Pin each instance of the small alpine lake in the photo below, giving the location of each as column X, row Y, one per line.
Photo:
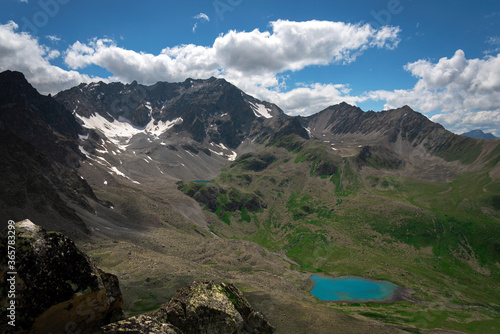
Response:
column 353, row 289
column 202, row 181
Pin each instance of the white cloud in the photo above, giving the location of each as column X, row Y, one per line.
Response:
column 464, row 121
column 295, row 45
column 305, row 99
column 251, row 60
column 22, row 52
column 494, row 41
column 464, row 92
column 291, row 46
column 172, row 64
column 202, row 16
column 53, row 38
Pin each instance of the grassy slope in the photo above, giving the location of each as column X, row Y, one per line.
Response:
column 437, row 239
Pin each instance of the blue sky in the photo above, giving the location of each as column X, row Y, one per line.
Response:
column 440, row 57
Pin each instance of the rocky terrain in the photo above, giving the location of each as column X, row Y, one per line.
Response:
column 173, row 183
column 78, row 296
column 57, row 287
column 202, row 307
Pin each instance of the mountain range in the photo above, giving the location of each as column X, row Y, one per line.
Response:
column 479, row 134
column 175, row 182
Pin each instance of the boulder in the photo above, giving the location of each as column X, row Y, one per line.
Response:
column 57, row 287
column 202, row 307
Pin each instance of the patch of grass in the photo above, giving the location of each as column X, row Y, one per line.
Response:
column 145, row 304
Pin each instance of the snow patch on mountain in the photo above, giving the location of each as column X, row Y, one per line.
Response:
column 161, row 127
column 232, row 156
column 123, row 129
column 115, row 170
column 260, row 110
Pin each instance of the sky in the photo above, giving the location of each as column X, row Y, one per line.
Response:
column 442, row 58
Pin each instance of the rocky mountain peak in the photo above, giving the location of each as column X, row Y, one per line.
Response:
column 478, row 134
column 13, row 86
column 211, row 109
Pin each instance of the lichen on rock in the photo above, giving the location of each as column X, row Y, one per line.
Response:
column 60, row 290
column 57, row 285
column 202, row 307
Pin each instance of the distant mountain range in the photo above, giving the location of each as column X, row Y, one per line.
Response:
column 479, row 134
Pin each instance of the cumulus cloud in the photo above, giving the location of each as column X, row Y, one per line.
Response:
column 291, row 46
column 295, row 45
column 21, row 52
column 464, row 121
column 312, row 98
column 254, row 61
column 464, row 92
column 251, row 60
column 172, row 64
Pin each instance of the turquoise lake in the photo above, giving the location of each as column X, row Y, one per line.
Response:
column 202, row 181
column 352, row 289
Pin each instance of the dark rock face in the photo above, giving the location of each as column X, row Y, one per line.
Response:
column 202, row 307
column 378, row 157
column 35, row 184
column 389, row 127
column 58, row 287
column 254, row 162
column 37, row 119
column 38, row 156
column 325, row 168
column 210, row 109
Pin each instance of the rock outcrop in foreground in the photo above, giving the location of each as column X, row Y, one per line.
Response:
column 57, row 287
column 202, row 307
column 59, row 290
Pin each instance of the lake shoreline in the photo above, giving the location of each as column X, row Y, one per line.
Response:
column 399, row 294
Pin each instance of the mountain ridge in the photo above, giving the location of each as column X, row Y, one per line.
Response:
column 264, row 200
column 478, row 134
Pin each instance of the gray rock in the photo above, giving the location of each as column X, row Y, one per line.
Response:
column 58, row 288
column 202, row 307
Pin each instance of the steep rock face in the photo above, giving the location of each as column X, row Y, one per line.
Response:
column 38, row 156
column 202, row 307
column 37, row 119
column 35, row 185
column 57, row 286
